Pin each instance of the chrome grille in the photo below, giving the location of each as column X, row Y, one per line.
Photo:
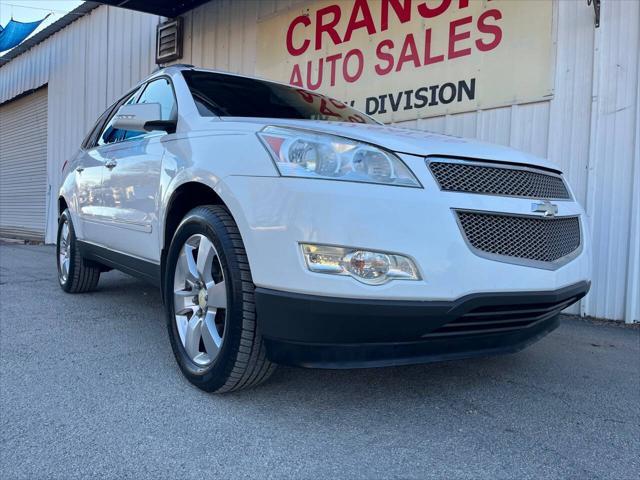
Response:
column 490, row 180
column 522, row 237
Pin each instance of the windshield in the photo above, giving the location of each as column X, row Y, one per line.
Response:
column 220, row 95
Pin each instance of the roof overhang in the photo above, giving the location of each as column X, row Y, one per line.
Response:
column 165, row 8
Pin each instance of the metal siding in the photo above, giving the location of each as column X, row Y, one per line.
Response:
column 611, row 160
column 23, row 166
column 632, row 304
column 570, row 109
column 222, row 34
column 87, row 65
column 589, row 128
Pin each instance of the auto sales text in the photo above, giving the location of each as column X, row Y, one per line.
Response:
column 320, row 31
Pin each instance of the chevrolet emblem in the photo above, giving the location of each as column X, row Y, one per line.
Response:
column 546, row 207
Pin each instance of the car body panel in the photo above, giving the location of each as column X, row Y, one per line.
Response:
column 275, row 214
column 130, row 196
column 404, row 140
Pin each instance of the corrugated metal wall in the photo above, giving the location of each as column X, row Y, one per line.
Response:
column 590, row 127
column 612, row 164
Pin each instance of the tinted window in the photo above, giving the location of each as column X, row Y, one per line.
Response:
column 217, row 94
column 110, row 134
column 160, row 91
column 90, row 139
column 157, row 91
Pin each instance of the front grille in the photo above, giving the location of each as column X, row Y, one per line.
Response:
column 502, row 318
column 473, row 178
column 521, row 237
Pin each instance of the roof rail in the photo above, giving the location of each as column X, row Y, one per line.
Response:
column 179, row 65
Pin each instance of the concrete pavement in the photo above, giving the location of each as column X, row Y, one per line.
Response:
column 89, row 387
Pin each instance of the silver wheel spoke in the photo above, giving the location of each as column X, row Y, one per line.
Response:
column 210, row 336
column 185, row 310
column 191, row 267
column 65, row 233
column 217, row 295
column 185, row 293
column 206, row 253
column 192, row 337
column 183, row 302
column 181, row 322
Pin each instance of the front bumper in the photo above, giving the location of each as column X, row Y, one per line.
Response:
column 276, row 214
column 324, row 332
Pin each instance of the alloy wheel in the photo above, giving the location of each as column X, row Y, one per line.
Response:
column 64, row 251
column 200, row 300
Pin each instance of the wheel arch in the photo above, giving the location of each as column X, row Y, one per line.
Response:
column 62, row 205
column 184, row 198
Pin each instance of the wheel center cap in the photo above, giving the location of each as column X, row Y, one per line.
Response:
column 202, row 299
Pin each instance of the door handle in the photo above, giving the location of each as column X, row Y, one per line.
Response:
column 110, row 164
column 80, row 169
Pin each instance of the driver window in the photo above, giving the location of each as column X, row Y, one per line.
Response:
column 160, row 91
column 110, row 134
column 157, row 91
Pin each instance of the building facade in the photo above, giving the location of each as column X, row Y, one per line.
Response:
column 582, row 111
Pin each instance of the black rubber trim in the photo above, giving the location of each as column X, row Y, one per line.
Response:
column 321, row 331
column 134, row 266
column 365, row 355
column 315, row 319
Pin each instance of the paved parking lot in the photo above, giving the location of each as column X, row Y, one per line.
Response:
column 89, row 387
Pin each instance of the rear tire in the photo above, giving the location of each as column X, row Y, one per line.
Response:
column 75, row 274
column 210, row 308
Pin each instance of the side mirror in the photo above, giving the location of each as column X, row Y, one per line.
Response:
column 142, row 117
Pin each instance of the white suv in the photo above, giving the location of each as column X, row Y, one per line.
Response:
column 286, row 227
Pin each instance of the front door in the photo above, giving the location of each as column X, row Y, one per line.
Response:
column 131, row 180
column 89, row 169
column 130, row 185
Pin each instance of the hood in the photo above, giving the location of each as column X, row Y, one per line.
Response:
column 404, row 140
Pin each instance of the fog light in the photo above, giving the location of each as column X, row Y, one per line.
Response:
column 367, row 266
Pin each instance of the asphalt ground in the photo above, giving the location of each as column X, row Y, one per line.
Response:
column 89, row 388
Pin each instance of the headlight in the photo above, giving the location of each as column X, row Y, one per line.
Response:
column 298, row 153
column 367, row 266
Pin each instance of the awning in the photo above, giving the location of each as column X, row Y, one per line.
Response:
column 15, row 32
column 165, row 8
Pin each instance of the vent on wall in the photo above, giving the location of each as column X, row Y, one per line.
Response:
column 169, row 41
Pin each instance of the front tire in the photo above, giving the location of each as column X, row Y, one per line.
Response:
column 209, row 301
column 75, row 274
